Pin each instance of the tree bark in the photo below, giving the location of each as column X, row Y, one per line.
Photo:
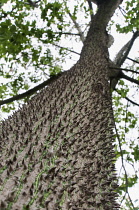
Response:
column 57, row 151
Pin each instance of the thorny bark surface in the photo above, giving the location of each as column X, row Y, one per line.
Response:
column 57, row 151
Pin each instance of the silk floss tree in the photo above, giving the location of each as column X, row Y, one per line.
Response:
column 57, row 150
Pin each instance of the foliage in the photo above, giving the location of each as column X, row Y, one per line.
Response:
column 36, row 39
column 131, row 13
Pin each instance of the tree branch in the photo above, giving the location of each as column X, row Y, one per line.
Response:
column 122, row 160
column 123, row 12
column 121, row 57
column 128, row 70
column 128, row 99
column 91, row 8
column 133, row 60
column 120, row 75
column 123, row 166
column 31, row 91
column 105, row 11
column 77, row 27
column 130, row 79
column 67, row 33
column 72, row 51
column 123, row 53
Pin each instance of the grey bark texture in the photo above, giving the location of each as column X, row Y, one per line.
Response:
column 57, row 151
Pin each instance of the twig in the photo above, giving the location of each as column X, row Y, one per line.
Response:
column 122, row 11
column 67, row 33
column 131, row 101
column 131, row 200
column 72, row 51
column 126, row 118
column 122, row 160
column 132, row 60
column 128, row 99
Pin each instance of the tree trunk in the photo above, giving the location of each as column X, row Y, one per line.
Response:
column 57, row 151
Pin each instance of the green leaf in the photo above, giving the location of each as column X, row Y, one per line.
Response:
column 135, row 153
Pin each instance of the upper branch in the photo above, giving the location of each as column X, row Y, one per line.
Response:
column 77, row 27
column 123, row 53
column 106, row 9
column 97, row 36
